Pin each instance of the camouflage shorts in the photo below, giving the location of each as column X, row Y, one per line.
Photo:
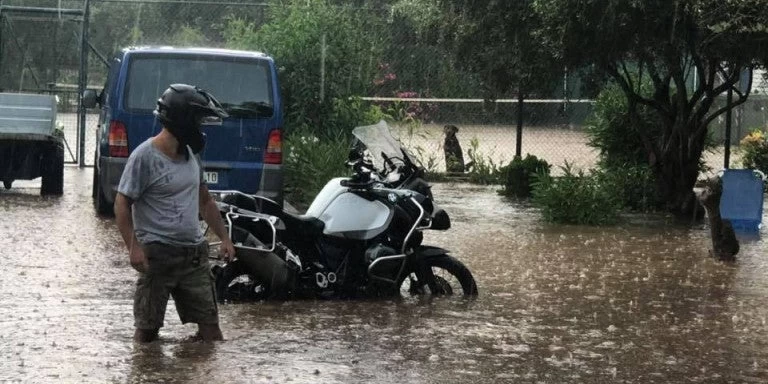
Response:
column 182, row 273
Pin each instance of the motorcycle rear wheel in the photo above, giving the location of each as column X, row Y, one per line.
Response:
column 234, row 284
column 439, row 276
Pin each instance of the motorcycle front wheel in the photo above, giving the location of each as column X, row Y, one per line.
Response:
column 439, row 276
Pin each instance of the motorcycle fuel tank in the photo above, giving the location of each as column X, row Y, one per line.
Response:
column 348, row 215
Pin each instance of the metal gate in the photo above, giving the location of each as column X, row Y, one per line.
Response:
column 44, row 50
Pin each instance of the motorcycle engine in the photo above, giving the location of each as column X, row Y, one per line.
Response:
column 376, row 251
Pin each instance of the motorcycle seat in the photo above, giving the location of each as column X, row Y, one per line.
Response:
column 306, row 225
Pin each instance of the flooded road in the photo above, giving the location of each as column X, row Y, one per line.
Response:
column 637, row 303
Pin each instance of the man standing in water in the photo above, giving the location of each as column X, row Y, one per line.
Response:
column 160, row 195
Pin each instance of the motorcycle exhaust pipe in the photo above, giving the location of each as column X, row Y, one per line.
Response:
column 268, row 268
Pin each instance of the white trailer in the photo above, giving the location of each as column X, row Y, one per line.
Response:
column 30, row 144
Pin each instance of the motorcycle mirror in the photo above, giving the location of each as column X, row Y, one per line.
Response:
column 354, row 156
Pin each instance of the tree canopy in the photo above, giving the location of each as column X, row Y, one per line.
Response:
column 692, row 51
column 500, row 41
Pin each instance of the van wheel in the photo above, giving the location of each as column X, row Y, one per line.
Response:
column 7, row 184
column 53, row 170
column 99, row 201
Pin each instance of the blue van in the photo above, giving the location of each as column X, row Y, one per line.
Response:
column 243, row 153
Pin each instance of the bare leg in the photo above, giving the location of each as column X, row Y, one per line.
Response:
column 209, row 332
column 145, row 335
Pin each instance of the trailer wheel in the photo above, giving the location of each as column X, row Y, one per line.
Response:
column 53, row 170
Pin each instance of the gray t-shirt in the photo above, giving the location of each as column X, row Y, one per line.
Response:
column 166, row 195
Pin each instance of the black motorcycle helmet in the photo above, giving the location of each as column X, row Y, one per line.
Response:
column 182, row 108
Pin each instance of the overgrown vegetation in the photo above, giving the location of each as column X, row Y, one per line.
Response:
column 617, row 135
column 623, row 179
column 634, row 185
column 482, row 168
column 576, row 197
column 620, row 138
column 313, row 157
column 324, row 53
column 754, row 151
column 310, row 163
column 691, row 51
column 518, row 175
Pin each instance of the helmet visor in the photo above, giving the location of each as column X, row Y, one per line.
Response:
column 213, row 112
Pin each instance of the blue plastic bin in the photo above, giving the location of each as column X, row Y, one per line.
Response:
column 742, row 200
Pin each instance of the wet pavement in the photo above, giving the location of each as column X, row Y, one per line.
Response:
column 637, row 303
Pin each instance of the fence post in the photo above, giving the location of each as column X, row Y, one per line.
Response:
column 519, row 141
column 727, row 160
column 82, row 84
column 1, row 37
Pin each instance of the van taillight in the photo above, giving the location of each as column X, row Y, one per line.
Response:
column 274, row 153
column 118, row 139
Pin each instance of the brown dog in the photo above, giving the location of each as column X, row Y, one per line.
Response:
column 454, row 158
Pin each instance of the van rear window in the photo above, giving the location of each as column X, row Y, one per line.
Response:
column 242, row 85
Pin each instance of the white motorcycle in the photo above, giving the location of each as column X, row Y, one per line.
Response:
column 361, row 236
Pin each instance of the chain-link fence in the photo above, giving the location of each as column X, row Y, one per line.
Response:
column 384, row 57
column 487, row 131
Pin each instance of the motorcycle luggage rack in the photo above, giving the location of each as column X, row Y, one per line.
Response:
column 254, row 216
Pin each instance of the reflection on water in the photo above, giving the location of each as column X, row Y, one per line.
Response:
column 636, row 303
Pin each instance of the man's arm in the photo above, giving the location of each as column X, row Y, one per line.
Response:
column 124, row 222
column 210, row 213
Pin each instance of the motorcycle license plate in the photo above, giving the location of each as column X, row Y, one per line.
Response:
column 211, row 177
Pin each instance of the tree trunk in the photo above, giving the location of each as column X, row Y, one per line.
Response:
column 677, row 170
column 676, row 180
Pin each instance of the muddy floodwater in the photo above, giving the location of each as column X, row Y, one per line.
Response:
column 637, row 303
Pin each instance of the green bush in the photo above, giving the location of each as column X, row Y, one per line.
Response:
column 314, row 156
column 624, row 161
column 310, row 162
column 342, row 115
column 517, row 176
column 576, row 198
column 754, row 151
column 615, row 134
column 635, row 185
column 301, row 35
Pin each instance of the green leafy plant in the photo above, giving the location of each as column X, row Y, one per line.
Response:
column 343, row 115
column 310, row 162
column 636, row 186
column 576, row 198
column 324, row 52
column 482, row 169
column 615, row 134
column 518, row 174
column 314, row 156
column 624, row 160
column 754, row 151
